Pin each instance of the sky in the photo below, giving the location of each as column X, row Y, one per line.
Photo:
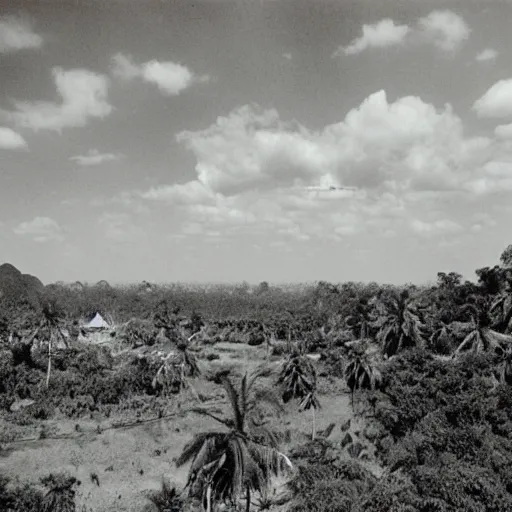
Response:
column 175, row 140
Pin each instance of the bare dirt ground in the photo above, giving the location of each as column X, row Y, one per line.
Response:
column 130, row 461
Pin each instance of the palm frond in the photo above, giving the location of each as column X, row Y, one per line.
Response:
column 308, row 402
column 234, row 399
column 193, row 448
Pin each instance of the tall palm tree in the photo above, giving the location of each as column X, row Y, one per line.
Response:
column 51, row 322
column 298, row 379
column 245, row 456
column 399, row 325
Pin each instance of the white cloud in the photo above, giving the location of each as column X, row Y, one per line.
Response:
column 442, row 226
column 442, row 28
column 446, row 29
column 40, row 229
column 497, row 101
column 379, row 35
column 406, row 159
column 287, row 56
column 487, row 55
column 94, row 157
column 17, row 34
column 405, row 144
column 123, row 67
column 9, row 139
column 84, row 96
column 188, row 193
column 171, row 78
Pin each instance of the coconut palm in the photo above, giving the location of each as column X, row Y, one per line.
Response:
column 481, row 336
column 298, row 379
column 51, row 323
column 361, row 373
column 501, row 310
column 243, row 457
column 399, row 325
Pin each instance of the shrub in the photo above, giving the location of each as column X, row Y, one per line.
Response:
column 137, row 332
column 19, row 498
column 167, row 498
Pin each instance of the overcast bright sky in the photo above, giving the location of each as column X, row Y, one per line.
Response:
column 173, row 140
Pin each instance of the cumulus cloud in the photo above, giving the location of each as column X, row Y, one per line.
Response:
column 379, row 35
column 171, row 78
column 497, row 101
column 486, row 55
column 40, row 229
column 443, row 28
column 392, row 146
column 9, row 139
column 94, row 157
column 406, row 159
column 17, row 34
column 84, row 96
column 446, row 29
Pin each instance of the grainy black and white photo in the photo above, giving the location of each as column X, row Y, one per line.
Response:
column 255, row 255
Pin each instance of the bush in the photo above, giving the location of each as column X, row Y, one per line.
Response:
column 167, row 498
column 137, row 332
column 323, row 486
column 19, row 498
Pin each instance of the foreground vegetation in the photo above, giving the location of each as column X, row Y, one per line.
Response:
column 428, row 371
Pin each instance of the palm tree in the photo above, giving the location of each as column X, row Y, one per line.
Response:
column 243, row 457
column 51, row 322
column 298, row 379
column 361, row 373
column 481, row 336
column 502, row 308
column 399, row 326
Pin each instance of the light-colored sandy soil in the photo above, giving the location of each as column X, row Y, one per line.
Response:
column 126, row 460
